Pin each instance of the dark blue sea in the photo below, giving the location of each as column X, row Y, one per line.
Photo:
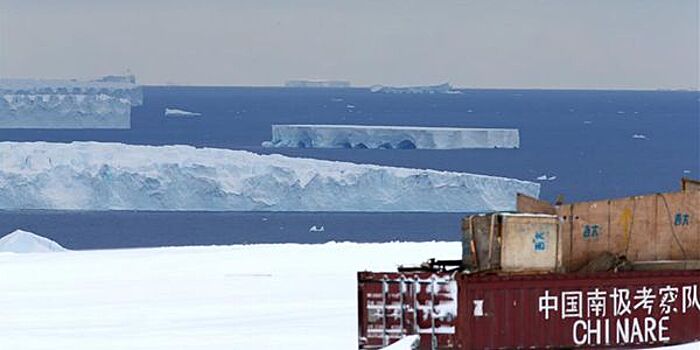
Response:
column 584, row 138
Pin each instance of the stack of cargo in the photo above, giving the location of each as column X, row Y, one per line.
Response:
column 620, row 273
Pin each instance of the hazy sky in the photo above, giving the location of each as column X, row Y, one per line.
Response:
column 521, row 43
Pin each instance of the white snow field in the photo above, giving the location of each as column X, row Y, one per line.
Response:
column 21, row 241
column 49, row 104
column 391, row 137
column 280, row 296
column 174, row 112
column 111, row 176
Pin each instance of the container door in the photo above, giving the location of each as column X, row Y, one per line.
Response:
column 393, row 305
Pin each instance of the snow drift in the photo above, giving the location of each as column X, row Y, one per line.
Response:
column 26, row 242
column 102, row 103
column 392, row 137
column 103, row 176
column 410, row 342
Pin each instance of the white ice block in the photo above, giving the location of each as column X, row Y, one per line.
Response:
column 393, row 137
column 52, row 104
column 104, row 176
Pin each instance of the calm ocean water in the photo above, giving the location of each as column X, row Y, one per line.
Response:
column 584, row 138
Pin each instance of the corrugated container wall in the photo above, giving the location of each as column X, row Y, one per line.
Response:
column 630, row 310
column 618, row 310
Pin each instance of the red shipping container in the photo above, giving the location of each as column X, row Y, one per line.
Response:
column 618, row 310
column 392, row 305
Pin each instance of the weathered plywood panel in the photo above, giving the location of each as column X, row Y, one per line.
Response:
column 622, row 213
column 527, row 204
column 589, row 232
column 483, row 231
column 690, row 185
column 529, row 243
column 643, row 228
column 643, row 239
column 677, row 225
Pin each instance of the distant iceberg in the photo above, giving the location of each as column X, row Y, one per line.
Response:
column 315, row 228
column 639, row 136
column 546, row 178
column 445, row 88
column 26, row 242
column 69, row 104
column 114, row 176
column 174, row 112
column 390, row 137
column 317, row 84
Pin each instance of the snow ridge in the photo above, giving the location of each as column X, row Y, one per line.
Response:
column 26, row 242
column 114, row 176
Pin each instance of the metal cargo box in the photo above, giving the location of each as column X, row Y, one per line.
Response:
column 615, row 310
column 392, row 305
column 511, row 242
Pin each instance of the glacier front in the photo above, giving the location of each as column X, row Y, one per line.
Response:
column 114, row 176
column 391, row 137
column 68, row 104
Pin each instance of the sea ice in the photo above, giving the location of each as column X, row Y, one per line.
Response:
column 174, row 112
column 262, row 297
column 315, row 228
column 106, row 176
column 391, row 137
column 544, row 177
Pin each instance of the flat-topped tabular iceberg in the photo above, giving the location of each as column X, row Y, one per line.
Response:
column 51, row 104
column 317, row 83
column 445, row 88
column 391, row 137
column 104, row 176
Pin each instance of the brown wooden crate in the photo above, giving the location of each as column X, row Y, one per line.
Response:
column 527, row 204
column 642, row 228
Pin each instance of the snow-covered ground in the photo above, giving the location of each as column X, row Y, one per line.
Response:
column 279, row 296
column 392, row 137
column 103, row 176
column 273, row 296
